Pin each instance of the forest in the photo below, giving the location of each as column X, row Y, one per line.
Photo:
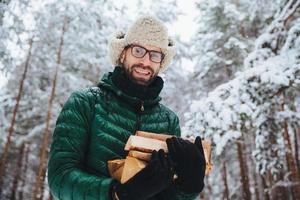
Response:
column 235, row 80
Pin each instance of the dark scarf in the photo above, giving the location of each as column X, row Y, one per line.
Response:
column 130, row 88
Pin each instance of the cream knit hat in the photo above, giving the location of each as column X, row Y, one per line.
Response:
column 147, row 30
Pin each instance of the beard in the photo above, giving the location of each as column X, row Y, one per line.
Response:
column 129, row 72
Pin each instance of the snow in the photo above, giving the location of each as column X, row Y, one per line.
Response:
column 235, row 78
column 224, row 106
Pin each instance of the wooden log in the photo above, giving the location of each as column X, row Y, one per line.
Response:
column 157, row 136
column 147, row 145
column 163, row 137
column 144, row 144
column 131, row 167
column 140, row 147
column 140, row 155
column 115, row 168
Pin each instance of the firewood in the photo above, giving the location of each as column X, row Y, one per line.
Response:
column 145, row 144
column 140, row 155
column 131, row 167
column 140, row 148
column 162, row 137
column 115, row 168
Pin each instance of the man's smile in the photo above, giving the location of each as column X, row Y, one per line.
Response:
column 142, row 71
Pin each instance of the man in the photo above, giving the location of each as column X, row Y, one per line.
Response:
column 95, row 124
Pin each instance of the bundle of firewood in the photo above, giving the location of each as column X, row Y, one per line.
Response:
column 140, row 147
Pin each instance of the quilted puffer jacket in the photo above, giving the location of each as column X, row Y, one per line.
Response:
column 93, row 128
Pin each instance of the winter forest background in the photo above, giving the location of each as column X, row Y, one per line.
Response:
column 235, row 80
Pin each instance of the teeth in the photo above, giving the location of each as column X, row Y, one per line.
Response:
column 142, row 71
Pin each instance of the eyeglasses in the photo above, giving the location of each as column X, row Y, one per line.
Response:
column 139, row 52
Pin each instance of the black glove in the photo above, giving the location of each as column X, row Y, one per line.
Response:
column 189, row 163
column 153, row 179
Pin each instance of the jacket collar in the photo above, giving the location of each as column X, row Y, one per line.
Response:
column 118, row 83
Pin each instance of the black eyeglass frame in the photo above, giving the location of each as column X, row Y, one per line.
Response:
column 146, row 51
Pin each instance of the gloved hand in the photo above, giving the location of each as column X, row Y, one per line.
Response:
column 189, row 163
column 154, row 178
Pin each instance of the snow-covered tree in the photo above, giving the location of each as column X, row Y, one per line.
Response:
column 244, row 93
column 66, row 42
column 226, row 30
column 255, row 105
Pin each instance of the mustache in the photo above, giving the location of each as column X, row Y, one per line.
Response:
column 144, row 67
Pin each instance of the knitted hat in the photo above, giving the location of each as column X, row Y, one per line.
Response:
column 147, row 30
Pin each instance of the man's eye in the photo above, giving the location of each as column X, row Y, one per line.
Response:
column 138, row 50
column 154, row 55
column 157, row 56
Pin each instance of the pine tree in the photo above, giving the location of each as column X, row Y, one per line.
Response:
column 250, row 103
column 83, row 61
column 226, row 30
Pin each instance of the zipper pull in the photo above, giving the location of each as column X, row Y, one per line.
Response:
column 142, row 106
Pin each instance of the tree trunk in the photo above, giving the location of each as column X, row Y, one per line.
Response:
column 244, row 172
column 225, row 182
column 4, row 155
column 40, row 178
column 17, row 176
column 24, row 170
column 265, row 188
column 208, row 188
column 256, row 183
column 297, row 130
column 277, row 192
column 289, row 157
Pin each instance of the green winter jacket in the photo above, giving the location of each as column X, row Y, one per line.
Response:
column 93, row 128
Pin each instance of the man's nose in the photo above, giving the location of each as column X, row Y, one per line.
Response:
column 146, row 59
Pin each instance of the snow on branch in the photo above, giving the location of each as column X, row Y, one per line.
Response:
column 269, row 43
column 238, row 105
column 243, row 103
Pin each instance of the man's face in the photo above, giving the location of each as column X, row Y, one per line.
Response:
column 141, row 70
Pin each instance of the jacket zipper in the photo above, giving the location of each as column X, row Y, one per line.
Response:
column 138, row 121
column 142, row 106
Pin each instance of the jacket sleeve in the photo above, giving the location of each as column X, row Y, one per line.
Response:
column 174, row 192
column 67, row 177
